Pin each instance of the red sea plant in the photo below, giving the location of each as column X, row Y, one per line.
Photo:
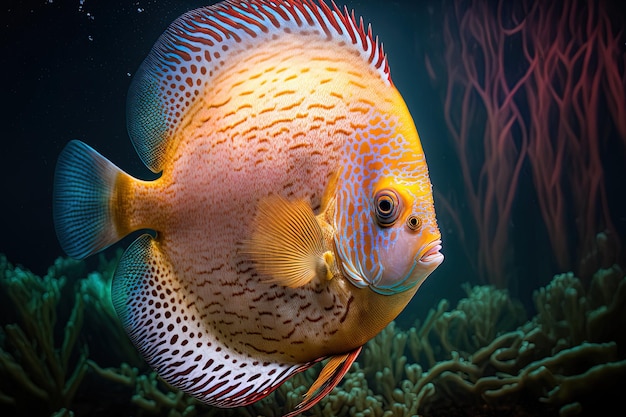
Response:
column 540, row 85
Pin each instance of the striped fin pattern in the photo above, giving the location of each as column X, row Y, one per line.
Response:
column 164, row 322
column 84, row 181
column 198, row 44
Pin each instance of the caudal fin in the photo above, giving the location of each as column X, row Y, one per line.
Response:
column 84, row 182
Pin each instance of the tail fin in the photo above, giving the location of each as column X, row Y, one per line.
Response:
column 84, row 182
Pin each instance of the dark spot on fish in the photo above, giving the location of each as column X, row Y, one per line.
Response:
column 315, row 320
column 270, row 339
column 208, row 364
column 187, row 371
column 343, row 318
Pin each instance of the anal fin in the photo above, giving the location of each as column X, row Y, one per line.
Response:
column 329, row 377
column 164, row 319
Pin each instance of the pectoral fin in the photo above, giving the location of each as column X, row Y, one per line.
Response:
column 331, row 375
column 287, row 244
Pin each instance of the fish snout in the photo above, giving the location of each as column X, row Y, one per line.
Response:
column 403, row 270
column 430, row 256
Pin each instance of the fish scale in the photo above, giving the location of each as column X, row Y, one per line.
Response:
column 293, row 214
column 305, row 181
column 174, row 336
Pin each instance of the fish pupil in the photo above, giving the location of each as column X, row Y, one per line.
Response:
column 384, row 206
column 387, row 208
column 414, row 223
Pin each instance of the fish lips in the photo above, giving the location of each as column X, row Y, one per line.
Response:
column 431, row 256
column 395, row 279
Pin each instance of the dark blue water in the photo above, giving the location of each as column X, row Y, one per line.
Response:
column 67, row 66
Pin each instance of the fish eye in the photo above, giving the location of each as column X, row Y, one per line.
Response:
column 414, row 222
column 386, row 207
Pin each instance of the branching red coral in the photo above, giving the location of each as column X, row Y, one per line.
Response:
column 539, row 84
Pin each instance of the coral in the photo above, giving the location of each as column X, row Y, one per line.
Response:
column 471, row 356
column 36, row 370
column 569, row 356
column 149, row 397
column 569, row 315
column 95, row 290
column 46, row 335
column 477, row 319
column 568, row 359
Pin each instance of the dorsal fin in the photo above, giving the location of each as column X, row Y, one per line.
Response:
column 196, row 45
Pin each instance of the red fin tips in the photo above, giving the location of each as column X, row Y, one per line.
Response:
column 331, row 375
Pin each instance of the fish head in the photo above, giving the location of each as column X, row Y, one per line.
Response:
column 387, row 236
column 406, row 241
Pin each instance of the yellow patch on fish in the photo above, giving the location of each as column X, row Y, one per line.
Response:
column 294, row 215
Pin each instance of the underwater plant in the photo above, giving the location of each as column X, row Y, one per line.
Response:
column 40, row 370
column 537, row 86
column 44, row 346
column 482, row 357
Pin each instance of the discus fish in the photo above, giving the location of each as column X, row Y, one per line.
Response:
column 293, row 218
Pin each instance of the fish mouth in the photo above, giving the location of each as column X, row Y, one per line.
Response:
column 432, row 253
column 404, row 277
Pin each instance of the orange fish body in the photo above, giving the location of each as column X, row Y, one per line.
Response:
column 293, row 215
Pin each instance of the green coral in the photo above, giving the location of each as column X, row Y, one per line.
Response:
column 38, row 368
column 569, row 355
column 44, row 347
column 568, row 358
